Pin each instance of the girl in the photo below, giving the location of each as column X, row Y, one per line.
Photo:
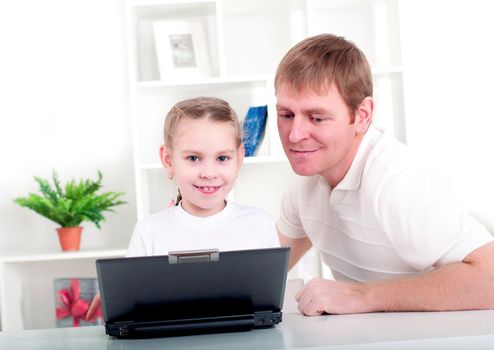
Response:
column 203, row 153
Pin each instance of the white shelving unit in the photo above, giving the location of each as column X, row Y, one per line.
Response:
column 245, row 40
column 154, row 94
column 27, row 297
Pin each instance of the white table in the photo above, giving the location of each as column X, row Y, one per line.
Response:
column 414, row 330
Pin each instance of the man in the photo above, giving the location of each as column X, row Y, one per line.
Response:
column 391, row 231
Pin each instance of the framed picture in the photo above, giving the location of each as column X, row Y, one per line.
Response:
column 182, row 50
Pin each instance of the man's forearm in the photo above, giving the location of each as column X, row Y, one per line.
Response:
column 460, row 286
column 298, row 246
column 468, row 285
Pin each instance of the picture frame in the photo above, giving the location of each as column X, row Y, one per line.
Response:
column 181, row 50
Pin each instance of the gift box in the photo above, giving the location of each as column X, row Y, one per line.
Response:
column 72, row 299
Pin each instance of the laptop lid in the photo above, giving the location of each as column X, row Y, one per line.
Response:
column 187, row 288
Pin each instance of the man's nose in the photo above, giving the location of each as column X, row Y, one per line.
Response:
column 299, row 129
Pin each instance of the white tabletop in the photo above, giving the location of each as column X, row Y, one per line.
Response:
column 414, row 330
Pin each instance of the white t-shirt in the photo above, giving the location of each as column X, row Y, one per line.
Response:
column 236, row 227
column 388, row 217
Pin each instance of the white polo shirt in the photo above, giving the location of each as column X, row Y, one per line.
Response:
column 388, row 217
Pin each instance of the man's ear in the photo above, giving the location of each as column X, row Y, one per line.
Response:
column 166, row 159
column 364, row 114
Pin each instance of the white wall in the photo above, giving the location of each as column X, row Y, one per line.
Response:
column 448, row 53
column 64, row 105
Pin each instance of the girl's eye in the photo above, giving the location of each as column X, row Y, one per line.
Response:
column 223, row 158
column 193, row 158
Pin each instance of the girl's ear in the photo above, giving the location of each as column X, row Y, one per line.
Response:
column 166, row 159
column 364, row 114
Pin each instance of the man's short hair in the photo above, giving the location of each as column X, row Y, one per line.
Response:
column 317, row 62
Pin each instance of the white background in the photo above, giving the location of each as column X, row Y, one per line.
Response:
column 448, row 54
column 64, row 105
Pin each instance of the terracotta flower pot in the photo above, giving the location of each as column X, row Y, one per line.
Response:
column 70, row 237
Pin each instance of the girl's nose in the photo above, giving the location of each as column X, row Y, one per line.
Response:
column 208, row 171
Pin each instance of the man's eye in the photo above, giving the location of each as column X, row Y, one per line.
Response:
column 193, row 158
column 223, row 158
column 285, row 115
column 317, row 118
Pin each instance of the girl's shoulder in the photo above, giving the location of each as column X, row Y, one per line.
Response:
column 157, row 218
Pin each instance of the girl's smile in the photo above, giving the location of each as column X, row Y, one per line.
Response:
column 208, row 189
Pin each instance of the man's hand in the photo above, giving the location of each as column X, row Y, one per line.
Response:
column 321, row 296
column 95, row 304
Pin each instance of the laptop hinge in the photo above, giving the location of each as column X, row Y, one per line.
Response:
column 193, row 256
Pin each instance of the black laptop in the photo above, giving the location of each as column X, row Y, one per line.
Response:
column 190, row 292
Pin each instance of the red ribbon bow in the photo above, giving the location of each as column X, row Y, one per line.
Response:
column 72, row 306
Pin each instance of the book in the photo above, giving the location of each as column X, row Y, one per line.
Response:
column 253, row 128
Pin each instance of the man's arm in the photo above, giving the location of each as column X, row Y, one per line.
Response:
column 298, row 247
column 467, row 285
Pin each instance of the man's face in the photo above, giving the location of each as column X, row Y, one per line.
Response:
column 316, row 132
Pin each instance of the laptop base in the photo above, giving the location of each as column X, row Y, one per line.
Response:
column 208, row 325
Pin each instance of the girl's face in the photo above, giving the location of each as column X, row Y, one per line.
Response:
column 204, row 162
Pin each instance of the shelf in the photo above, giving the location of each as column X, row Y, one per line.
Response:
column 385, row 70
column 159, row 9
column 34, row 257
column 204, row 82
column 26, row 290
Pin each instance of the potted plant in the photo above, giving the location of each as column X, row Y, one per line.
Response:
column 70, row 206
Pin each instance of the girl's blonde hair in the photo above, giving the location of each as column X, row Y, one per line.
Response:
column 213, row 108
